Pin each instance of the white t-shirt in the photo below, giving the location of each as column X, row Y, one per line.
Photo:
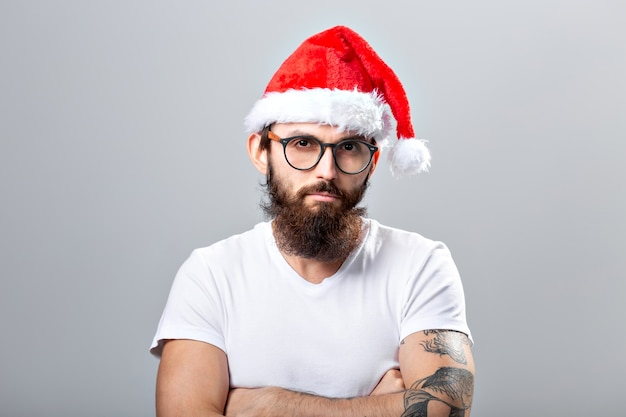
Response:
column 336, row 338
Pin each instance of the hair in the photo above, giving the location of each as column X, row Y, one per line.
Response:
column 265, row 140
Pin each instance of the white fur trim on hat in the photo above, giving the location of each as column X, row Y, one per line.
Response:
column 365, row 114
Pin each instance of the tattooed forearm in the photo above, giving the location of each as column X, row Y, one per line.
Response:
column 447, row 342
column 455, row 383
column 416, row 403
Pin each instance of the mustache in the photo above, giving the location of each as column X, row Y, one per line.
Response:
column 321, row 187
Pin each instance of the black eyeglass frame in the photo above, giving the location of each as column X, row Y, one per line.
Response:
column 285, row 141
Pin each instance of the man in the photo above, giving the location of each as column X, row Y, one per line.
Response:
column 320, row 311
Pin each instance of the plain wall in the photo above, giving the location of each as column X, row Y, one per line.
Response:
column 122, row 148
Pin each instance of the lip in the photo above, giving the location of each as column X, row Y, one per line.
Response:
column 327, row 197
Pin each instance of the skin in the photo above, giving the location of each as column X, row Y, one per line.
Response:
column 436, row 372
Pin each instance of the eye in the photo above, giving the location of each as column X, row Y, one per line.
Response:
column 301, row 143
column 351, row 147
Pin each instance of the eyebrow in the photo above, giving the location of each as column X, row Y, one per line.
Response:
column 297, row 132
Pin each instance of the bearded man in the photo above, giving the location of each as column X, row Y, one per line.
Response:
column 320, row 311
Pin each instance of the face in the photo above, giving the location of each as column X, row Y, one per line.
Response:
column 325, row 172
column 314, row 211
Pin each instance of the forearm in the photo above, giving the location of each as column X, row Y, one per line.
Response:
column 278, row 402
column 388, row 405
column 413, row 402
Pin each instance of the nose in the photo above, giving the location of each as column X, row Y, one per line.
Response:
column 326, row 168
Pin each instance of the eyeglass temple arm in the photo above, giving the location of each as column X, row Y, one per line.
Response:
column 273, row 136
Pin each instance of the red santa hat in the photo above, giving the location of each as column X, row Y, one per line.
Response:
column 336, row 78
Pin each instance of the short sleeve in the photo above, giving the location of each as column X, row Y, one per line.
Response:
column 194, row 309
column 434, row 296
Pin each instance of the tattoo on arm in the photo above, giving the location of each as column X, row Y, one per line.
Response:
column 455, row 383
column 447, row 342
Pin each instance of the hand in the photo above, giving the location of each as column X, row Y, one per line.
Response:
column 390, row 383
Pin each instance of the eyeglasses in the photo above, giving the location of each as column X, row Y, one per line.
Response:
column 351, row 156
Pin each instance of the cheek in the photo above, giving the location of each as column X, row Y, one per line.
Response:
column 283, row 174
column 277, row 160
column 353, row 182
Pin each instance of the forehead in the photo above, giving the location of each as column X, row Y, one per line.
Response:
column 320, row 131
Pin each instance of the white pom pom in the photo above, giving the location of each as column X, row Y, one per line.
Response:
column 408, row 157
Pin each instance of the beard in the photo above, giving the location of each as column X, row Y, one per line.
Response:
column 325, row 231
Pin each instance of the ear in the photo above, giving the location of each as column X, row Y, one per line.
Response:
column 374, row 162
column 257, row 155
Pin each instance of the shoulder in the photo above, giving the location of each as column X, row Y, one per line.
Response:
column 235, row 244
column 408, row 254
column 227, row 252
column 400, row 241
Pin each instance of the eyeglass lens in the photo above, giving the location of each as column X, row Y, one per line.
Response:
column 351, row 156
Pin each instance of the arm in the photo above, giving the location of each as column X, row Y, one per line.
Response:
column 441, row 367
column 192, row 380
column 437, row 366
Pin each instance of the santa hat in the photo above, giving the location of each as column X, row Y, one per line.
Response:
column 336, row 78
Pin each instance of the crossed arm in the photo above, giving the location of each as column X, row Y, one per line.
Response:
column 436, row 379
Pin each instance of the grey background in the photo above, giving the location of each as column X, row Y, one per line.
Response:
column 122, row 149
